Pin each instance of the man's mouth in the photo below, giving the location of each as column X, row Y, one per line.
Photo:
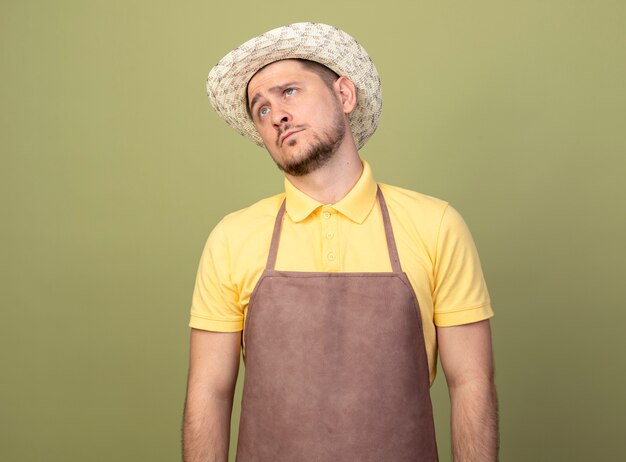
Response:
column 288, row 133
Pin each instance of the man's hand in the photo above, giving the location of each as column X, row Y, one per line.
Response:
column 213, row 368
column 466, row 357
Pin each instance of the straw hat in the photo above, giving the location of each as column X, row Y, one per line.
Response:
column 228, row 80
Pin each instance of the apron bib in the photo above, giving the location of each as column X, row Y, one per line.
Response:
column 336, row 367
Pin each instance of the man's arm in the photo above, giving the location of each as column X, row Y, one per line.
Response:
column 213, row 368
column 466, row 357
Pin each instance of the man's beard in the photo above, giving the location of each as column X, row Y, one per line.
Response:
column 320, row 151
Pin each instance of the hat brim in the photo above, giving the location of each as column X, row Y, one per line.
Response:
column 327, row 45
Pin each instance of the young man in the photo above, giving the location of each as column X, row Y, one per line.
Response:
column 345, row 290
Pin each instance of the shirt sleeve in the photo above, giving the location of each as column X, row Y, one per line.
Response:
column 460, row 295
column 215, row 304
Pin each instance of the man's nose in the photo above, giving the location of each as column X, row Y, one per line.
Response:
column 280, row 116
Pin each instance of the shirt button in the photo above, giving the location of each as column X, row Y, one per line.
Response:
column 331, row 256
column 330, row 235
column 326, row 215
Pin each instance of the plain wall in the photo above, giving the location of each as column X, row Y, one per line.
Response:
column 114, row 169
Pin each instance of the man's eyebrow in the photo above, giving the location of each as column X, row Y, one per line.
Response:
column 274, row 89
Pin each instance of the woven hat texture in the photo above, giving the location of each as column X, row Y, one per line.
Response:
column 332, row 47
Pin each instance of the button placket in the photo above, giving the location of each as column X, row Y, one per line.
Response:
column 329, row 240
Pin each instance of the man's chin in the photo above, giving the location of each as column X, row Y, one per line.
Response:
column 308, row 162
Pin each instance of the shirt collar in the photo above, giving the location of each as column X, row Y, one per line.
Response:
column 356, row 205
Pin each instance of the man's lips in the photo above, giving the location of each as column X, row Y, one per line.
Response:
column 288, row 134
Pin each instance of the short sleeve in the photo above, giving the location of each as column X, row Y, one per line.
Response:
column 460, row 295
column 215, row 304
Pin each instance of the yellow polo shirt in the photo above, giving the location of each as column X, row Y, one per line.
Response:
column 435, row 249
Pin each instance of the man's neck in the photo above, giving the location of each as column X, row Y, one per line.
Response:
column 330, row 183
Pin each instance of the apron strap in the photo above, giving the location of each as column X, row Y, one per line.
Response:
column 271, row 258
column 391, row 242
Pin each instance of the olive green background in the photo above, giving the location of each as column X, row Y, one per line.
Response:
column 114, row 170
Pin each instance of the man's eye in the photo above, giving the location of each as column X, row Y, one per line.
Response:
column 264, row 111
column 290, row 91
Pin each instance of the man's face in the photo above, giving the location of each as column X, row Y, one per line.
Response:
column 299, row 118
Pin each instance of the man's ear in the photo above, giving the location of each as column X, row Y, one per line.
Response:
column 346, row 90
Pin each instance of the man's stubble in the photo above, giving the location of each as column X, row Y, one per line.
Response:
column 320, row 151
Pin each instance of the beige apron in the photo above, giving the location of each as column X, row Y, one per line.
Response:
column 336, row 368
